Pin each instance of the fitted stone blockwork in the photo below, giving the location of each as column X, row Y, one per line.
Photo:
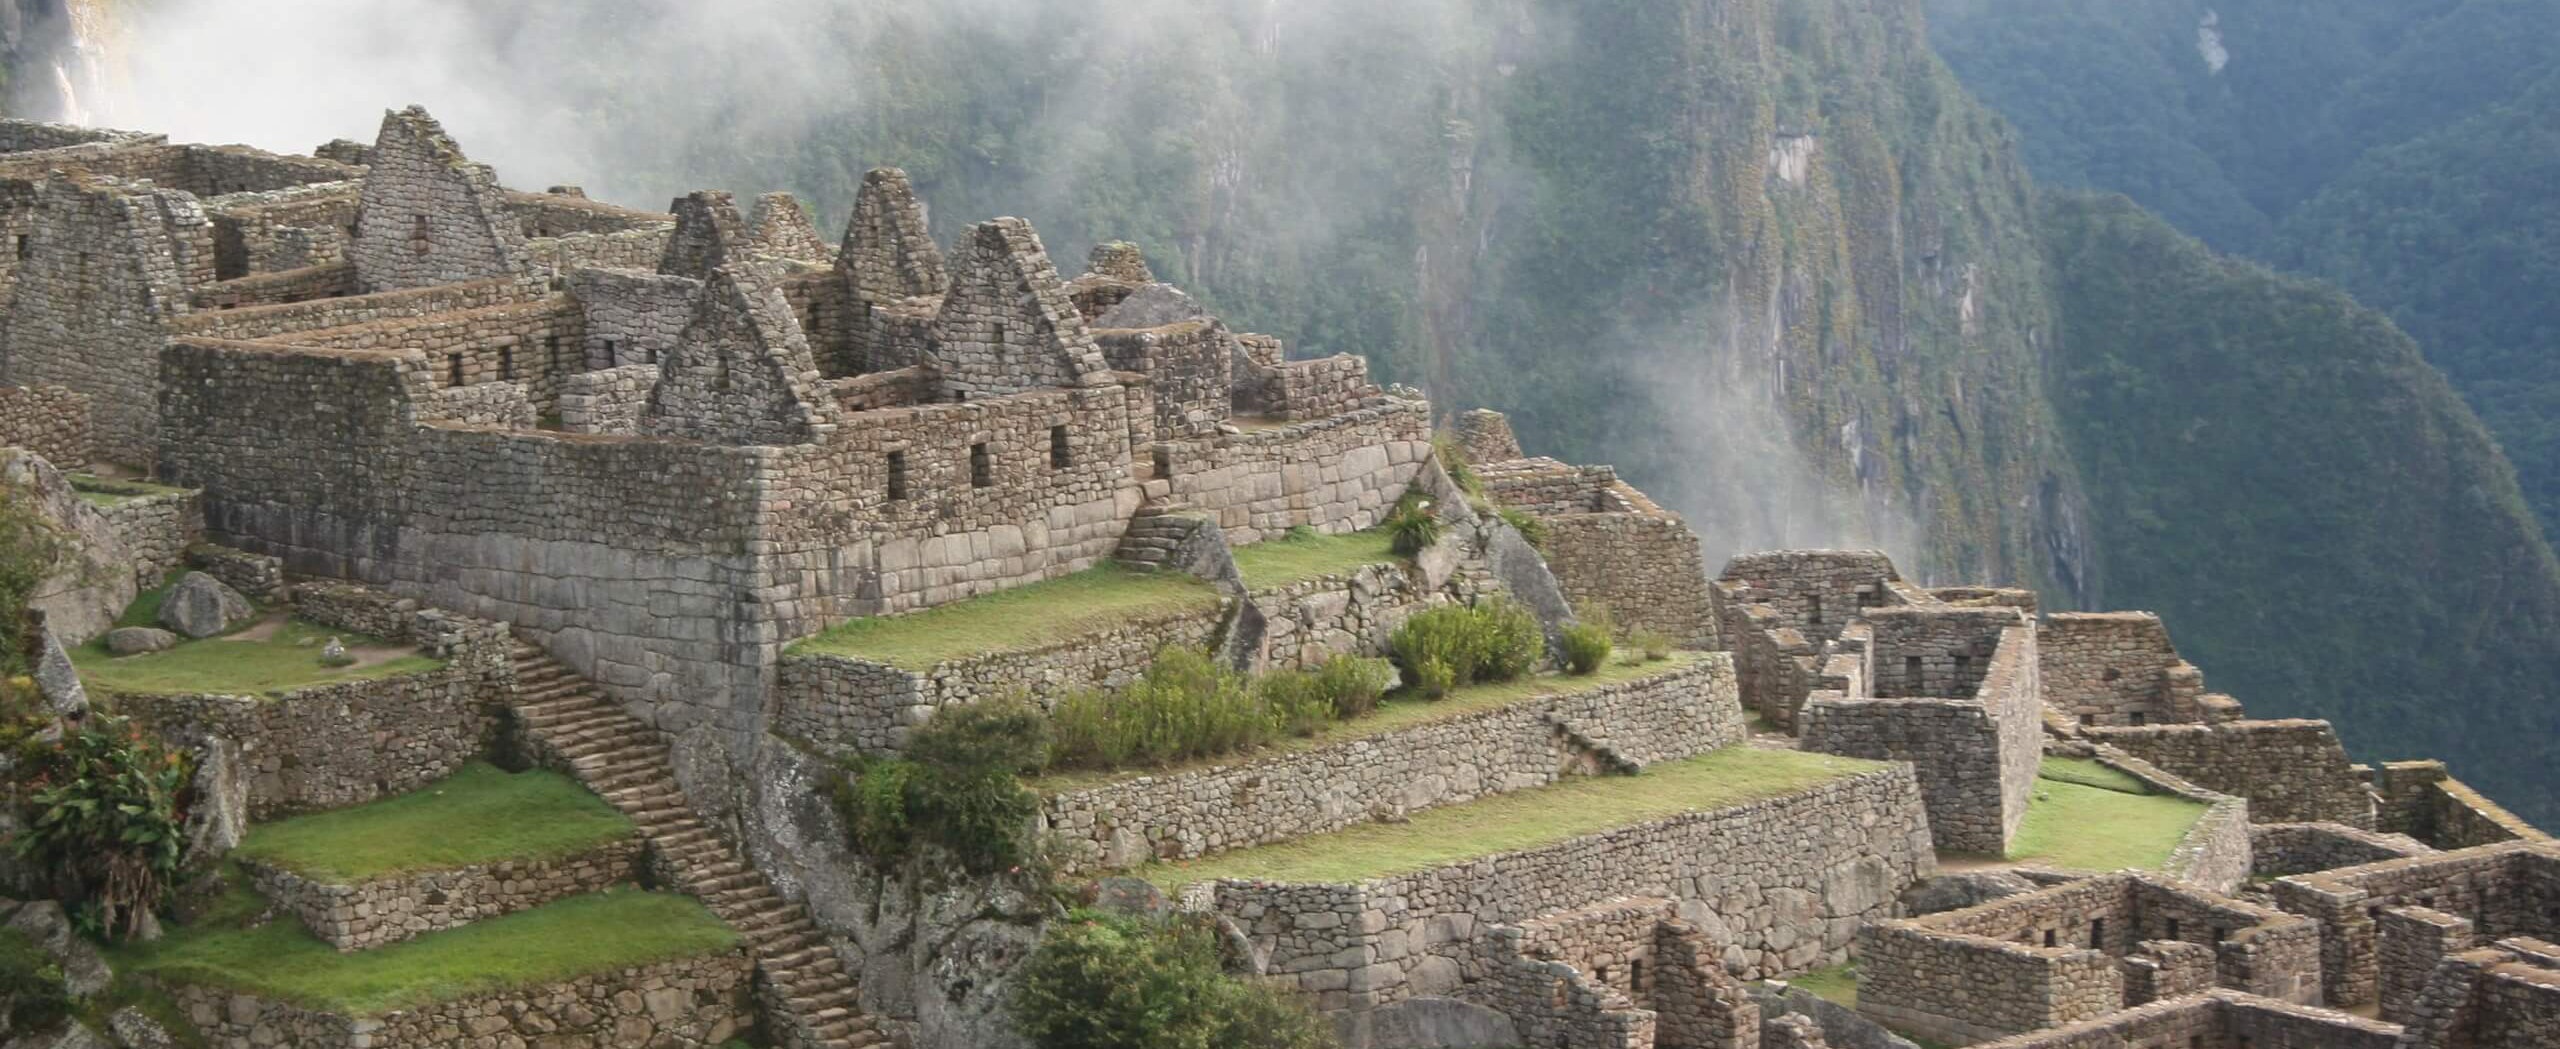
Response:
column 51, row 421
column 691, row 1003
column 359, row 915
column 429, row 215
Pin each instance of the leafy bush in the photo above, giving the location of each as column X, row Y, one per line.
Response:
column 1412, row 528
column 1525, row 523
column 1493, row 640
column 959, row 787
column 1103, row 981
column 1655, row 644
column 107, row 807
column 1586, row 647
column 1185, row 706
column 1295, row 700
column 1353, row 685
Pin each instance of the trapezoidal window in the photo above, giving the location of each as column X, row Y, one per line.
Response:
column 1964, row 665
column 1816, row 616
column 26, row 247
column 897, row 476
column 453, row 369
column 1060, row 457
column 419, row 239
column 1911, row 672
column 982, row 467
column 506, row 363
column 998, row 343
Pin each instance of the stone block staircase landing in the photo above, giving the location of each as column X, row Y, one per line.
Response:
column 811, row 1000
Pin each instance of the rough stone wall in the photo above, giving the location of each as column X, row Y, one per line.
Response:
column 1936, row 652
column 1187, row 365
column 504, row 405
column 1574, row 980
column 688, row 1003
column 156, row 529
column 1977, row 757
column 2219, row 1019
column 2160, row 969
column 2279, row 849
column 608, row 401
column 2214, row 854
column 888, row 265
column 1816, row 592
column 107, row 267
column 1007, row 325
column 1645, row 568
column 1547, row 486
column 1337, row 474
column 252, row 323
column 260, row 578
column 284, row 229
column 1313, row 389
column 898, row 388
column 319, row 281
column 51, row 421
column 2504, row 890
column 1683, row 712
column 430, row 215
column 1308, row 622
column 2423, row 800
column 741, row 373
column 381, row 911
column 541, row 215
column 2291, row 771
column 632, row 318
column 1485, row 436
column 780, row 228
column 2409, row 942
column 2519, row 1008
column 531, row 344
column 709, row 234
column 1966, row 989
column 631, row 249
column 2116, row 668
column 1788, row 879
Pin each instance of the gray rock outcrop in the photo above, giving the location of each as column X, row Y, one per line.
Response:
column 91, row 587
column 1955, row 892
column 84, row 973
column 136, row 640
column 202, row 606
column 57, row 680
column 1151, row 306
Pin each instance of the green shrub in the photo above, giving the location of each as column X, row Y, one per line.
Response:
column 1493, row 640
column 31, row 985
column 1655, row 644
column 106, row 807
column 1525, row 523
column 1353, row 685
column 1412, row 528
column 1586, row 647
column 1296, row 701
column 958, row 786
column 1103, row 981
column 1185, row 706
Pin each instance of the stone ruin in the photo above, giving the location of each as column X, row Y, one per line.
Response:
column 610, row 464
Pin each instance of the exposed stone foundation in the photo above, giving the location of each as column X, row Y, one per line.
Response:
column 694, row 1003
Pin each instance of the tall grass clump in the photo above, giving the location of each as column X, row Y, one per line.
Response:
column 1458, row 645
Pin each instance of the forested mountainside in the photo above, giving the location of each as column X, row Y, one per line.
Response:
column 2405, row 150
column 2325, row 527
column 1767, row 255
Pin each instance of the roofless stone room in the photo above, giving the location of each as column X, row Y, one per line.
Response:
column 1467, row 526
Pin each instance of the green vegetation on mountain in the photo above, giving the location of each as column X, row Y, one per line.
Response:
column 2324, row 525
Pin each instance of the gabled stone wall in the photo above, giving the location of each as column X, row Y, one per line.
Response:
column 430, row 215
column 1977, row 756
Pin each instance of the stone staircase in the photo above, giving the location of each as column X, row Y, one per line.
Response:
column 810, row 998
column 1157, row 535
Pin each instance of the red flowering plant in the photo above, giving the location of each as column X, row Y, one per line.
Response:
column 105, row 818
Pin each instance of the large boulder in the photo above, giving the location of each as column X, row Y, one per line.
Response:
column 91, row 587
column 57, row 680
column 136, row 640
column 1957, row 891
column 1151, row 306
column 84, row 973
column 202, row 606
column 221, row 812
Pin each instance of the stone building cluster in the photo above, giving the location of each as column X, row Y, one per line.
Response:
column 615, row 472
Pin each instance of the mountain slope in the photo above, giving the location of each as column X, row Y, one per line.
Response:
column 2327, row 529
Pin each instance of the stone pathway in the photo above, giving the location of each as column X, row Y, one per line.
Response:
column 810, row 996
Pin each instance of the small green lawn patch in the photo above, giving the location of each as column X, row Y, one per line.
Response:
column 545, row 945
column 480, row 814
column 2089, row 773
column 2079, row 827
column 1837, row 984
column 1021, row 619
column 1302, row 556
column 1397, row 712
column 285, row 660
column 109, row 491
column 1522, row 819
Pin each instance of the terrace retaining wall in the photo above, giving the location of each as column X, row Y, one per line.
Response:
column 689, row 1003
column 378, row 911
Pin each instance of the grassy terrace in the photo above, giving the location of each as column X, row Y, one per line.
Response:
column 1523, row 819
column 109, row 491
column 1396, row 713
column 478, row 815
column 2087, row 816
column 1302, row 556
column 250, row 662
column 1017, row 620
column 544, row 945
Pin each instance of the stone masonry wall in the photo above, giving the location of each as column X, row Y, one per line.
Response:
column 2489, row 885
column 2116, row 668
column 1679, row 713
column 430, row 215
column 51, row 421
column 250, row 323
column 2291, row 771
column 156, row 529
column 1186, row 363
column 532, row 344
column 278, row 287
column 2279, row 849
column 1789, row 879
column 1977, row 757
column 608, row 401
column 1338, row 474
column 1645, row 568
column 376, row 912
column 1007, row 325
column 2217, row 1019
column 1315, row 389
column 688, row 1003
column 2410, row 942
column 631, row 318
column 2423, row 800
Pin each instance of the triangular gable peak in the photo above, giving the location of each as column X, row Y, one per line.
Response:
column 708, row 234
column 742, row 372
column 428, row 215
column 1007, row 325
column 888, row 252
column 780, row 228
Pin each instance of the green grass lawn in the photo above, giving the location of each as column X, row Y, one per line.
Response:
column 286, row 660
column 544, row 945
column 1395, row 713
column 1301, row 556
column 480, row 814
column 1837, row 984
column 108, row 491
column 1522, row 819
column 2077, row 826
column 1020, row 619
